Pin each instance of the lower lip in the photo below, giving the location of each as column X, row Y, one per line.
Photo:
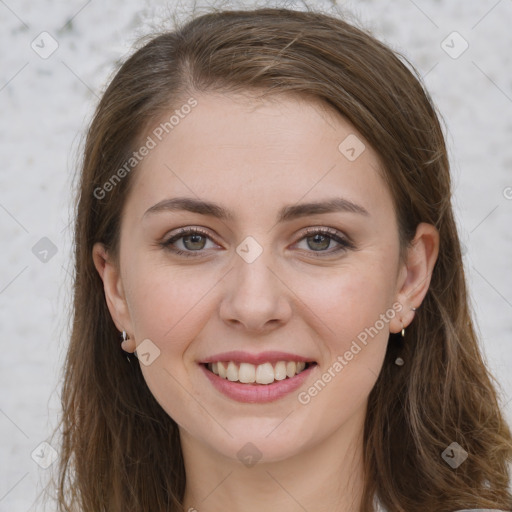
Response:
column 257, row 393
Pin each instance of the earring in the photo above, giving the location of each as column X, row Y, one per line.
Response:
column 399, row 361
column 124, row 337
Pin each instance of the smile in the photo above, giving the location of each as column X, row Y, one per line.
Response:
column 257, row 378
column 266, row 373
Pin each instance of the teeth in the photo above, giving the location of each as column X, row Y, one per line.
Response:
column 246, row 373
column 261, row 374
column 232, row 373
column 264, row 373
column 280, row 371
column 221, row 370
column 291, row 368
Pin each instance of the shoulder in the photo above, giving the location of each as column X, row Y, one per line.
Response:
column 379, row 508
column 382, row 509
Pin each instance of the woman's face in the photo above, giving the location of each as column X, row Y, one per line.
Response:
column 297, row 260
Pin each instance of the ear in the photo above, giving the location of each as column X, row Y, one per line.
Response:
column 114, row 293
column 415, row 274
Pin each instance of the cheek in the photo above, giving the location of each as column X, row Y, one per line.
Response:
column 350, row 313
column 170, row 308
column 167, row 305
column 350, row 301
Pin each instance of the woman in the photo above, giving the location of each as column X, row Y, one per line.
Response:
column 264, row 214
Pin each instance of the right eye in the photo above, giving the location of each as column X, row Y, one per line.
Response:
column 193, row 240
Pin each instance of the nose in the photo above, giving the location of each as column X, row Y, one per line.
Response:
column 255, row 298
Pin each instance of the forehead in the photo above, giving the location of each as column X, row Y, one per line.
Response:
column 259, row 152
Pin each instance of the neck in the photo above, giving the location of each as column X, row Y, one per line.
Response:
column 324, row 476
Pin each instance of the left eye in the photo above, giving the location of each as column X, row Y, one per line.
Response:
column 320, row 239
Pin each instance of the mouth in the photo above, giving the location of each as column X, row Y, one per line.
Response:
column 258, row 374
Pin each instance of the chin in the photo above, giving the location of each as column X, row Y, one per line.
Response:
column 258, row 441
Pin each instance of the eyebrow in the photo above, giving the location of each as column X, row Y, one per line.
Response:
column 287, row 213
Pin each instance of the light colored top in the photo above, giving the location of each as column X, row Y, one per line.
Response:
column 380, row 508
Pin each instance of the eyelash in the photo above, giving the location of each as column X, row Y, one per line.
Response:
column 344, row 243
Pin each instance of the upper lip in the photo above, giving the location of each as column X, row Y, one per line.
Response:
column 238, row 356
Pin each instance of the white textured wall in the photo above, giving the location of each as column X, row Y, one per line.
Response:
column 45, row 104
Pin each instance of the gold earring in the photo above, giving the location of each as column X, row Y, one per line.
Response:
column 399, row 361
column 124, row 338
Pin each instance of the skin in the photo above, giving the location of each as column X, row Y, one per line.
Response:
column 253, row 157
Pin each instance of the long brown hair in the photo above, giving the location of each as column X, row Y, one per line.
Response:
column 120, row 451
